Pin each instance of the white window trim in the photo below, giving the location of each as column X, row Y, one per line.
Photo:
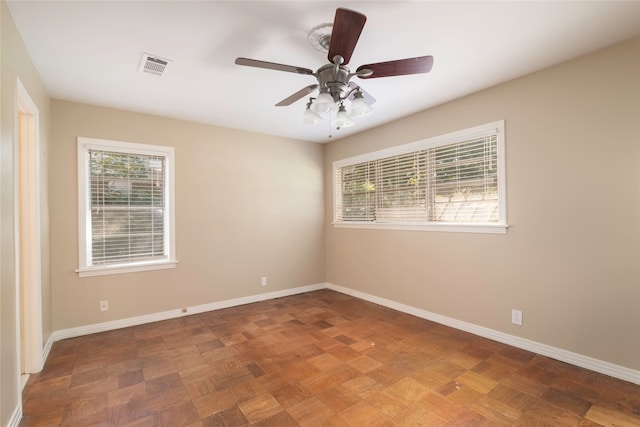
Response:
column 499, row 228
column 84, row 231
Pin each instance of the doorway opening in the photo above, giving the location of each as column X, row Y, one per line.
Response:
column 28, row 247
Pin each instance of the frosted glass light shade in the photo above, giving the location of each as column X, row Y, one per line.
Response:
column 359, row 106
column 324, row 103
column 310, row 118
column 342, row 119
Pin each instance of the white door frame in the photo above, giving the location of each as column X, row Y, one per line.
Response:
column 27, row 228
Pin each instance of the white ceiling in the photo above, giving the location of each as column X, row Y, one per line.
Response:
column 90, row 51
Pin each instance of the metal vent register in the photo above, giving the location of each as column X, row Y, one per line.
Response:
column 152, row 64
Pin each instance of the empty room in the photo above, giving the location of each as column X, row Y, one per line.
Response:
column 314, row 213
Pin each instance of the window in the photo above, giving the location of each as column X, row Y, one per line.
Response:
column 453, row 182
column 125, row 205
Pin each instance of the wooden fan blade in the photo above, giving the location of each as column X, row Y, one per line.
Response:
column 367, row 96
column 347, row 27
column 273, row 66
column 299, row 94
column 421, row 64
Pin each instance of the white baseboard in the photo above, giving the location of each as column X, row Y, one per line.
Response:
column 46, row 350
column 576, row 359
column 16, row 417
column 24, row 379
column 172, row 314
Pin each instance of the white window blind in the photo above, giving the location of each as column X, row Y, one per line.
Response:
column 454, row 179
column 125, row 207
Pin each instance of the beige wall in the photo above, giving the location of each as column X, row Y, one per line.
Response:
column 16, row 64
column 247, row 205
column 571, row 257
column 570, row 261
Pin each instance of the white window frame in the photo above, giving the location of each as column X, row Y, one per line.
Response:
column 84, row 207
column 499, row 227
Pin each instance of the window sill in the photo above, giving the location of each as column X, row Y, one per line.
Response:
column 125, row 268
column 450, row 228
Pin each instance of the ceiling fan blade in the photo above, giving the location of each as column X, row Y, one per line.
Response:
column 299, row 94
column 347, row 26
column 421, row 64
column 273, row 66
column 367, row 96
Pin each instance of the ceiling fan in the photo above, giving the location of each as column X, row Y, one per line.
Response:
column 333, row 79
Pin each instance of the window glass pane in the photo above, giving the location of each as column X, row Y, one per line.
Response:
column 465, row 185
column 127, row 207
column 401, row 195
column 358, row 192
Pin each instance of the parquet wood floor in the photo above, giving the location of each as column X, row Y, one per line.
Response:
column 316, row 359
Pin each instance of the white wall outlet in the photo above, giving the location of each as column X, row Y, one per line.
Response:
column 104, row 305
column 263, row 281
column 516, row 317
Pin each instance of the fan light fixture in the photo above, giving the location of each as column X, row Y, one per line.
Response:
column 326, row 104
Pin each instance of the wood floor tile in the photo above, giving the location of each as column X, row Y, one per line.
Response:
column 417, row 415
column 338, row 399
column 178, row 415
column 608, row 417
column 232, row 416
column 478, row 382
column 541, row 413
column 325, row 381
column 385, row 375
column 441, row 405
column 289, row 395
column 493, row 369
column 88, row 411
column 315, row 359
column 213, row 403
column 364, row 364
column 525, row 385
column 300, row 370
column 511, row 397
column 310, row 411
column 260, row 407
column 496, row 411
column 325, row 361
column 281, row 419
column 134, row 410
column 364, row 414
column 246, row 389
column 388, row 403
column 567, row 401
column 362, row 386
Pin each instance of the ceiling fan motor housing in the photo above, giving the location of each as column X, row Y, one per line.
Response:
column 335, row 80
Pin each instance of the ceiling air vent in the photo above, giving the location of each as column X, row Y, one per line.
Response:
column 152, row 64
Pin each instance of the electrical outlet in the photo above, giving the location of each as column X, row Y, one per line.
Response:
column 263, row 281
column 104, row 305
column 516, row 317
